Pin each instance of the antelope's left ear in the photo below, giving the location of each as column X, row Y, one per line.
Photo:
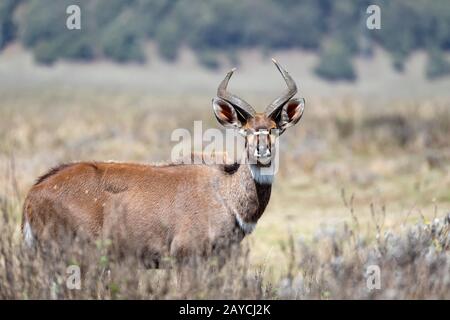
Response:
column 291, row 113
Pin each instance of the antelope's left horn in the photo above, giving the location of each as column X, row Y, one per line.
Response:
column 288, row 94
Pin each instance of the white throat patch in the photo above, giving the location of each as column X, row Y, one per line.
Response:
column 28, row 235
column 247, row 227
column 261, row 177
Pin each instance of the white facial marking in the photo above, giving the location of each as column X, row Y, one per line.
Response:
column 261, row 131
column 247, row 227
column 28, row 234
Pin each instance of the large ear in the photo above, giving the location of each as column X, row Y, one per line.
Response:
column 226, row 114
column 291, row 113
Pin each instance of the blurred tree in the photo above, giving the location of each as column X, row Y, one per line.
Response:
column 437, row 65
column 44, row 31
column 208, row 59
column 7, row 26
column 105, row 12
column 168, row 39
column 344, row 23
column 398, row 27
column 121, row 39
column 335, row 62
column 117, row 29
column 150, row 14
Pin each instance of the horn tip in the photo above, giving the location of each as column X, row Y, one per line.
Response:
column 229, row 73
column 274, row 61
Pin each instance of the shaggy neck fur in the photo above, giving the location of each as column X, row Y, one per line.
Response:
column 251, row 193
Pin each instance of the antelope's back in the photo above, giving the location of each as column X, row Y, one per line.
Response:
column 86, row 196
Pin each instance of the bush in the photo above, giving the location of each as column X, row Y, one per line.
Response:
column 78, row 49
column 414, row 264
column 70, row 46
column 224, row 25
column 46, row 53
column 121, row 41
column 335, row 63
column 7, row 26
column 398, row 61
column 167, row 37
column 437, row 65
column 45, row 33
column 45, row 21
column 208, row 59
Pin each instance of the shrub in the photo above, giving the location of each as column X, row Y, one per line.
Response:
column 121, row 43
column 208, row 59
column 437, row 65
column 7, row 26
column 44, row 31
column 222, row 25
column 413, row 264
column 167, row 37
column 335, row 63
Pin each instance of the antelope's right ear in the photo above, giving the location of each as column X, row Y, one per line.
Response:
column 291, row 113
column 226, row 114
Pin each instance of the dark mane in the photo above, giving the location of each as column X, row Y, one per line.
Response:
column 52, row 172
column 230, row 168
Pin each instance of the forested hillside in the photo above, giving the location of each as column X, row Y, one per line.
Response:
column 336, row 30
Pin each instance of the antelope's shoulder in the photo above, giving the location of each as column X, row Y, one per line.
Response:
column 64, row 169
column 81, row 170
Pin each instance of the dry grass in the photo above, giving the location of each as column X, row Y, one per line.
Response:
column 390, row 162
column 414, row 264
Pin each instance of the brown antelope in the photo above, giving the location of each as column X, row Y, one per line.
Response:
column 176, row 209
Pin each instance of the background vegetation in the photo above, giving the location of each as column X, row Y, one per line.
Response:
column 118, row 29
column 414, row 264
column 357, row 186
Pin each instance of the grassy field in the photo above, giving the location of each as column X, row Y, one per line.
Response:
column 354, row 175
